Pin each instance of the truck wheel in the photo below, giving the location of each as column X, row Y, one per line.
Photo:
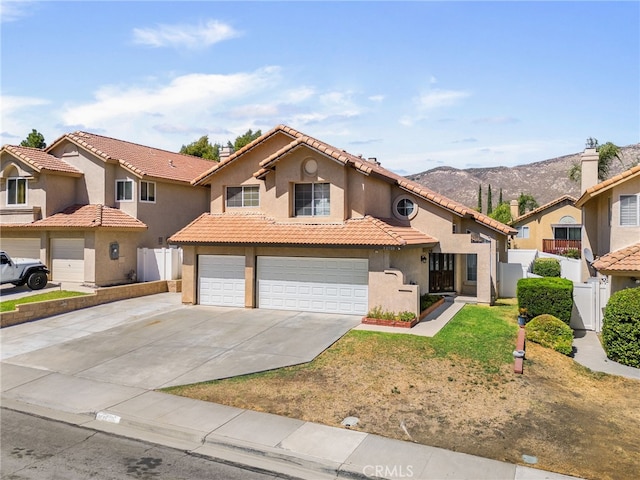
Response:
column 37, row 280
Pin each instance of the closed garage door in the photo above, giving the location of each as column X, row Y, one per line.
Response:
column 329, row 285
column 21, row 247
column 67, row 259
column 221, row 280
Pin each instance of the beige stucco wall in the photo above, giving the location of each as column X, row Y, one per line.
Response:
column 107, row 271
column 540, row 225
column 623, row 236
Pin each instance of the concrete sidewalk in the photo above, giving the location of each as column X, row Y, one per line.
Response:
column 43, row 373
column 590, row 353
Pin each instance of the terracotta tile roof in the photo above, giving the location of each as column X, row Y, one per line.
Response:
column 624, row 260
column 252, row 229
column 552, row 203
column 140, row 159
column 607, row 184
column 365, row 166
column 40, row 160
column 85, row 216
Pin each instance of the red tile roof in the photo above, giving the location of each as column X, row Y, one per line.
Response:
column 624, row 260
column 607, row 184
column 552, row 203
column 365, row 166
column 39, row 160
column 252, row 229
column 85, row 216
column 139, row 159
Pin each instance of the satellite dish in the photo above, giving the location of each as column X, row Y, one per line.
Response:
column 588, row 256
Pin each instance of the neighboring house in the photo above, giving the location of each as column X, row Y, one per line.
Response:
column 85, row 204
column 298, row 224
column 552, row 228
column 611, row 224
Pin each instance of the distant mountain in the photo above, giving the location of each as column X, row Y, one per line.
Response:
column 545, row 180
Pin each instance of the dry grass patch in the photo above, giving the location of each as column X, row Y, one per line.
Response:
column 458, row 391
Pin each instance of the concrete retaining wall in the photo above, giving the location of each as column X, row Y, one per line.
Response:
column 28, row 312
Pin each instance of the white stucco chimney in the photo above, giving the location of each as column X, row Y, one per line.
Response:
column 225, row 152
column 513, row 205
column 589, row 167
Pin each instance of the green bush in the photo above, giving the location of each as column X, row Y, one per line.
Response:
column 427, row 300
column 546, row 267
column 572, row 253
column 551, row 332
column 550, row 295
column 621, row 327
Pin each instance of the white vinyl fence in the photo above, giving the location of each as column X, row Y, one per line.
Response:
column 159, row 264
column 589, row 300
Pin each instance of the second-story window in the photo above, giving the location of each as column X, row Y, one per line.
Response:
column 312, row 199
column 16, row 191
column 523, row 232
column 629, row 214
column 246, row 196
column 124, row 190
column 148, row 192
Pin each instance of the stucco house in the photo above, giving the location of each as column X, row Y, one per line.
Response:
column 295, row 223
column 86, row 203
column 555, row 227
column 611, row 224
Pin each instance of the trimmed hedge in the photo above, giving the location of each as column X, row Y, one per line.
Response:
column 550, row 295
column 551, row 332
column 621, row 327
column 546, row 267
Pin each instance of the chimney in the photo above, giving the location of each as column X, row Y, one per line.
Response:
column 513, row 205
column 589, row 169
column 225, row 152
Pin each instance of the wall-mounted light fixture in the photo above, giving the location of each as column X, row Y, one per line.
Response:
column 423, row 258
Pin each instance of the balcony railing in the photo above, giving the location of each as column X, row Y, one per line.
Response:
column 561, row 247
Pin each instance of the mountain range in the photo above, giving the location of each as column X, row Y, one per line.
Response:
column 545, row 180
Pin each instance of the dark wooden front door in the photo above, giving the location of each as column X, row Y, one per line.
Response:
column 441, row 268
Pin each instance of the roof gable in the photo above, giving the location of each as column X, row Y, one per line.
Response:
column 139, row 159
column 366, row 167
column 608, row 184
column 40, row 161
column 624, row 260
column 565, row 199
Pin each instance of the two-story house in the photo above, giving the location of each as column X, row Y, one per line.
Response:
column 555, row 227
column 611, row 224
column 298, row 224
column 86, row 203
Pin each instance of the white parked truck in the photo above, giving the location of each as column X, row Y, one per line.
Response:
column 23, row 270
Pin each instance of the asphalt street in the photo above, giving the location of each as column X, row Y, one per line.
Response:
column 36, row 448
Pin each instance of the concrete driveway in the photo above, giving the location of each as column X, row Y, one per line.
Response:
column 155, row 341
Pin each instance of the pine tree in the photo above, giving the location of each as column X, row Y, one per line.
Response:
column 489, row 201
column 500, row 202
column 479, row 207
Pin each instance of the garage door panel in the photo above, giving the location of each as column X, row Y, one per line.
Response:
column 21, row 247
column 313, row 284
column 67, row 259
column 221, row 280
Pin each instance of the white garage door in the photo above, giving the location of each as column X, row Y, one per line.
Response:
column 329, row 285
column 221, row 280
column 21, row 247
column 67, row 259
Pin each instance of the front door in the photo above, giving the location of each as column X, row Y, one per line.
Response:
column 441, row 268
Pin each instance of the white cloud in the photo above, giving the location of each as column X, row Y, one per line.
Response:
column 10, row 11
column 433, row 80
column 12, row 104
column 376, row 98
column 440, row 98
column 181, row 35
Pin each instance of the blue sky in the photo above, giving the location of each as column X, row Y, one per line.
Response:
column 415, row 84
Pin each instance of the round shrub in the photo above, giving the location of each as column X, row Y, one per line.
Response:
column 550, row 295
column 621, row 327
column 546, row 267
column 551, row 332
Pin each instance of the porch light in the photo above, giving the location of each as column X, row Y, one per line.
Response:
column 423, row 258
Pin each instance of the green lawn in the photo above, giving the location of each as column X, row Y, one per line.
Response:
column 8, row 305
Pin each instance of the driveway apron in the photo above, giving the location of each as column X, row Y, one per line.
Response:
column 157, row 342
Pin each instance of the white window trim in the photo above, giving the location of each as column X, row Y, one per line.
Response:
column 313, row 207
column 26, row 192
column 155, row 191
column 398, row 215
column 521, row 231
column 637, row 210
column 133, row 193
column 243, row 187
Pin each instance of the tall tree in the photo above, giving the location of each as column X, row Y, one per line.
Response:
column 489, row 201
column 35, row 140
column 606, row 154
column 246, row 139
column 526, row 203
column 500, row 201
column 202, row 148
column 502, row 213
column 479, row 207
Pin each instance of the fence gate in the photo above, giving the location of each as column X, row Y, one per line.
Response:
column 589, row 300
column 159, row 264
